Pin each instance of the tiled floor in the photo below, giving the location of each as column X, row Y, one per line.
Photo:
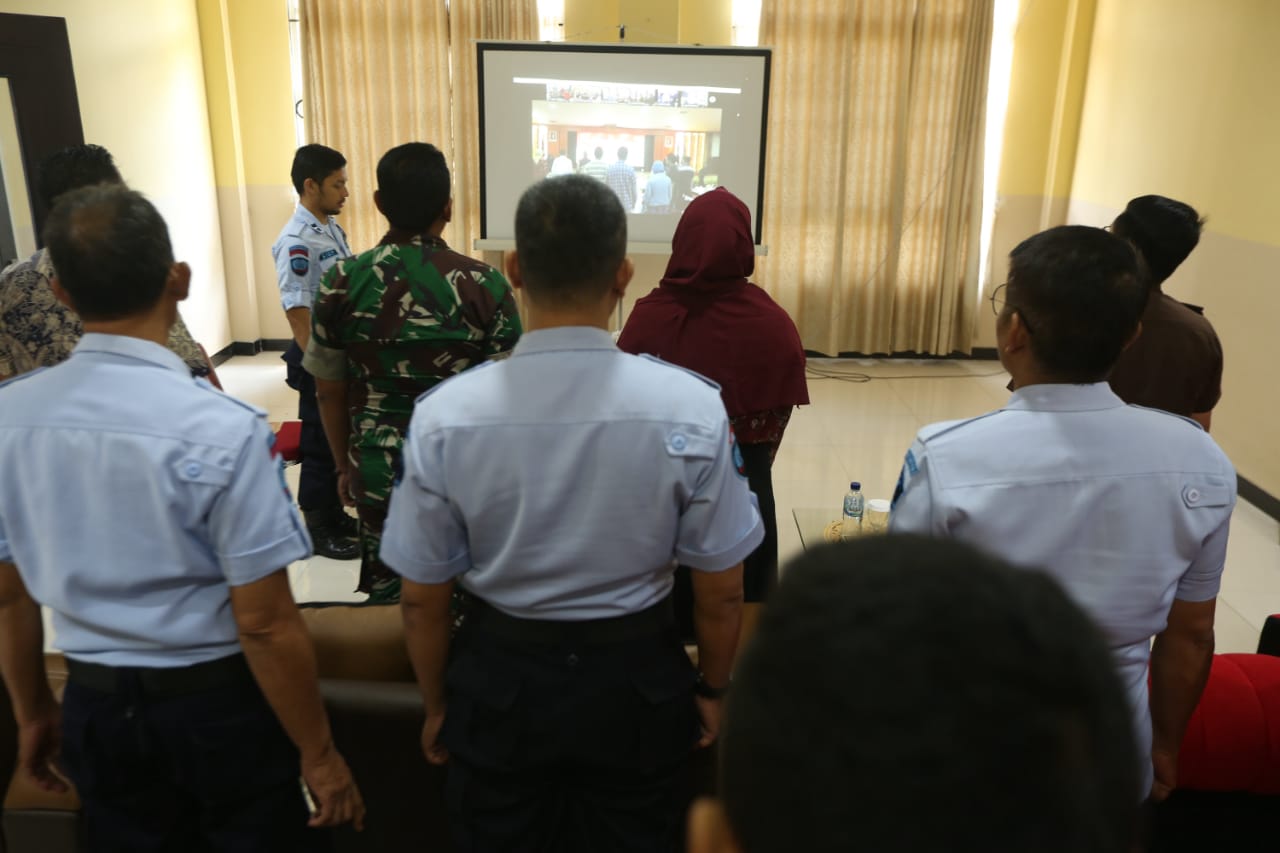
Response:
column 864, row 415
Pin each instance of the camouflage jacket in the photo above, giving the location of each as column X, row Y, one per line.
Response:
column 36, row 330
column 399, row 318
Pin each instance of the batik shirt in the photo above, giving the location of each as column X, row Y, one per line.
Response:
column 36, row 330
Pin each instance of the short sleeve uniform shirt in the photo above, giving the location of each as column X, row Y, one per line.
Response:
column 1127, row 507
column 564, row 482
column 1175, row 364
column 133, row 498
column 305, row 250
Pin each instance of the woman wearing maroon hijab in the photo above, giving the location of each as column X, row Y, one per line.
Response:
column 707, row 317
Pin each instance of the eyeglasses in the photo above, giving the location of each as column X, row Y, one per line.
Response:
column 998, row 301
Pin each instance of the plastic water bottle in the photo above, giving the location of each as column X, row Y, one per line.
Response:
column 851, row 523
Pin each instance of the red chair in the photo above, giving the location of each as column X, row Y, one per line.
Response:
column 289, row 441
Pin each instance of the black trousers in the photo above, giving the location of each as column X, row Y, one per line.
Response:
column 318, row 479
column 760, row 568
column 569, row 745
column 206, row 771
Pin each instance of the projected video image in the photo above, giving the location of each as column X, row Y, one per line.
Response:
column 656, row 146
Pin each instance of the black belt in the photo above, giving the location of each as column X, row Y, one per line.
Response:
column 651, row 621
column 162, row 681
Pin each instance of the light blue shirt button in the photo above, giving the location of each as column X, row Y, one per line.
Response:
column 192, row 469
column 677, row 442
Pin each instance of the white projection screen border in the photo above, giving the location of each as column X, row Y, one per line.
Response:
column 689, row 118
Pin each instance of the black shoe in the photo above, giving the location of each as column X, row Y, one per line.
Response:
column 334, row 543
column 348, row 525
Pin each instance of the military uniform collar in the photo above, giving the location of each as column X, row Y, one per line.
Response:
column 562, row 338
column 401, row 236
column 1063, row 397
column 128, row 347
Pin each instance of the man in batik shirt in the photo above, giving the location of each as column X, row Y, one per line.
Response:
column 389, row 324
column 36, row 330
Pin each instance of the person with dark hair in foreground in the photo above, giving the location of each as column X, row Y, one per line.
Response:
column 36, row 330
column 708, row 317
column 1176, row 363
column 905, row 694
column 559, row 487
column 192, row 703
column 309, row 245
column 1128, row 508
column 388, row 325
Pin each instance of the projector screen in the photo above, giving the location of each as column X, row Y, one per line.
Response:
column 658, row 124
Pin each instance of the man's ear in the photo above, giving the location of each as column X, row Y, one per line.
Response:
column 377, row 202
column 61, row 293
column 626, row 271
column 309, row 188
column 447, row 215
column 709, row 830
column 178, row 284
column 1137, row 333
column 511, row 263
column 1017, row 338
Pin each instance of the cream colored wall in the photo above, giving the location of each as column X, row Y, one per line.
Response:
column 1046, row 98
column 1182, row 101
column 246, row 57
column 141, row 91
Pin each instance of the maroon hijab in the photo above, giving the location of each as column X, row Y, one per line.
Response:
column 707, row 317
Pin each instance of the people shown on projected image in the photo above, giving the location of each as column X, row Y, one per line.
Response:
column 681, row 182
column 657, row 192
column 621, row 178
column 597, row 168
column 562, row 165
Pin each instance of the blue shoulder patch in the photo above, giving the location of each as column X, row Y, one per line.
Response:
column 693, row 373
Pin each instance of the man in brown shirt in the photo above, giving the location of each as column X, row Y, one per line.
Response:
column 1176, row 363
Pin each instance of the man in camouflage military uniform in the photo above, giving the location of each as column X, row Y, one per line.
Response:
column 389, row 324
column 36, row 330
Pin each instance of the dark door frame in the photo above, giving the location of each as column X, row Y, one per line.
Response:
column 35, row 54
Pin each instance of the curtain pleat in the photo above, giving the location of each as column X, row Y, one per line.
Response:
column 873, row 170
column 380, row 73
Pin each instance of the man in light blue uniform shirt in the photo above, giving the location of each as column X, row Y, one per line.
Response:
column 145, row 509
column 1127, row 507
column 559, row 488
column 309, row 245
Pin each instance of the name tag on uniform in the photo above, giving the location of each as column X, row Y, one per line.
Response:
column 327, row 254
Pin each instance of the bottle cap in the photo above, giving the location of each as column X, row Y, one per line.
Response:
column 855, row 486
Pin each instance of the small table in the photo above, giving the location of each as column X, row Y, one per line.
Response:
column 811, row 523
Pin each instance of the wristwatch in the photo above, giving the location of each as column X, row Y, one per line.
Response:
column 706, row 691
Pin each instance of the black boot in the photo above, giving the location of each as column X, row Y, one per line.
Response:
column 330, row 535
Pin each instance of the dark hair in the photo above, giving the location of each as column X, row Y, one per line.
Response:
column 1082, row 292
column 316, row 162
column 599, row 152
column 906, row 694
column 1164, row 231
column 622, row 153
column 571, row 237
column 110, row 251
column 413, row 185
column 74, row 167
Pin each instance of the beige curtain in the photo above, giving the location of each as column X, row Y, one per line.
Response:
column 377, row 74
column 471, row 21
column 873, row 176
